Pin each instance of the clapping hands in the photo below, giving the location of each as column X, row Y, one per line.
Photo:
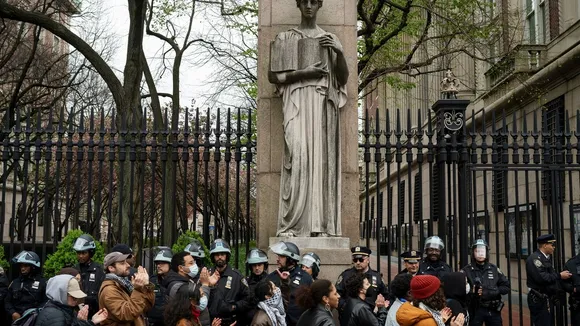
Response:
column 141, row 278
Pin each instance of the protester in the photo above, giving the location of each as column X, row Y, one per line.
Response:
column 401, row 290
column 456, row 288
column 126, row 301
column 195, row 248
column 126, row 250
column 64, row 293
column 356, row 310
column 185, row 307
column 318, row 299
column 428, row 305
column 28, row 290
column 271, row 305
column 91, row 273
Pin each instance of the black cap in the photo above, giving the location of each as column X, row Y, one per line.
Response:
column 122, row 248
column 546, row 238
column 412, row 256
column 362, row 251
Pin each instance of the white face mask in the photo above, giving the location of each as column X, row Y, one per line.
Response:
column 467, row 288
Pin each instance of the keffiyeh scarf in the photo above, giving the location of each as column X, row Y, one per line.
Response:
column 436, row 314
column 274, row 308
column 121, row 280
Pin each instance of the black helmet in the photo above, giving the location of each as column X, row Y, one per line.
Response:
column 27, row 257
column 286, row 249
column 311, row 260
column 195, row 249
column 164, row 254
column 85, row 243
column 257, row 256
column 219, row 246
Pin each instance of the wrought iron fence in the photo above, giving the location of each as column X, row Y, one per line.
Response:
column 127, row 183
column 505, row 177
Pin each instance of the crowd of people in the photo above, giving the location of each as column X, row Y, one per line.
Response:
column 184, row 292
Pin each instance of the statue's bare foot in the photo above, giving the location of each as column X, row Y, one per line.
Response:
column 287, row 234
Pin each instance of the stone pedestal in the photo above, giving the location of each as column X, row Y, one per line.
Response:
column 334, row 253
column 337, row 17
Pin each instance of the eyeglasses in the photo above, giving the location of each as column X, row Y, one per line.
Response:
column 360, row 260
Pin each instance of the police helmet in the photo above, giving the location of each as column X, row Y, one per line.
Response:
column 195, row 248
column 311, row 260
column 479, row 242
column 164, row 255
column 434, row 242
column 219, row 246
column 286, row 249
column 257, row 256
column 27, row 257
column 85, row 243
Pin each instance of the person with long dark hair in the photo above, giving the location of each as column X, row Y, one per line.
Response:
column 185, row 307
column 319, row 299
column 357, row 311
column 271, row 309
column 456, row 288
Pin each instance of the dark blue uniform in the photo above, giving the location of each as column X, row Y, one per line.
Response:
column 376, row 283
column 25, row 292
column 92, row 276
column 230, row 298
column 155, row 315
column 487, row 307
column 437, row 268
column 572, row 286
column 297, row 279
column 543, row 284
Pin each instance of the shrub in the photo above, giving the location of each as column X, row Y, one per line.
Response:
column 65, row 256
column 3, row 262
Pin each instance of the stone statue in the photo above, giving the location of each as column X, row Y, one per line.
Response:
column 310, row 71
column 449, row 86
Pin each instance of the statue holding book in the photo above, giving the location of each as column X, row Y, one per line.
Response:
column 308, row 66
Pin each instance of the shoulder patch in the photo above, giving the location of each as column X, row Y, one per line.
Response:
column 538, row 263
column 244, row 282
column 339, row 279
column 499, row 271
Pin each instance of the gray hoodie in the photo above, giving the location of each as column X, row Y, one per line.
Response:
column 57, row 288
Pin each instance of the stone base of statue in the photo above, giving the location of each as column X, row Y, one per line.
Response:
column 334, row 253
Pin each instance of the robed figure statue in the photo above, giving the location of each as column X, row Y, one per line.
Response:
column 309, row 69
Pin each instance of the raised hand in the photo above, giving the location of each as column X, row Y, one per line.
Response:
column 141, row 278
column 283, row 275
column 100, row 316
column 446, row 314
column 214, row 278
column 83, row 313
column 326, row 40
column 216, row 322
column 380, row 301
column 204, row 277
column 458, row 320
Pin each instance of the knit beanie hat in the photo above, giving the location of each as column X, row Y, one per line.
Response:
column 424, row 286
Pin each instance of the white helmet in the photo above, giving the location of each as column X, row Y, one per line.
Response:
column 434, row 242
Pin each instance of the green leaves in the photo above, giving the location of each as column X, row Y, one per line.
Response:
column 65, row 256
column 3, row 262
column 185, row 238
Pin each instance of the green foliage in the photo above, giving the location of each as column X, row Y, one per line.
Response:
column 65, row 255
column 185, row 238
column 3, row 262
column 242, row 256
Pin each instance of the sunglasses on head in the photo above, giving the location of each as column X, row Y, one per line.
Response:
column 360, row 260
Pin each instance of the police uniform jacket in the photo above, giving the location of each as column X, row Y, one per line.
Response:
column 252, row 281
column 230, row 297
column 92, row 276
column 372, row 276
column 492, row 281
column 155, row 315
column 25, row 292
column 542, row 276
column 296, row 279
column 573, row 283
column 438, row 268
column 358, row 312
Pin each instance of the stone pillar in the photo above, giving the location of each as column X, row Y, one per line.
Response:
column 275, row 16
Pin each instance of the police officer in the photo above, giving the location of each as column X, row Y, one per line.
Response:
column 3, row 292
column 28, row 290
column 229, row 299
column 542, row 280
column 411, row 261
column 257, row 264
column 489, row 284
column 432, row 263
column 287, row 260
column 195, row 248
column 572, row 286
column 92, row 273
column 162, row 261
column 310, row 263
column 361, row 261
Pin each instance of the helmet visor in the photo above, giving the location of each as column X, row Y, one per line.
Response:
column 80, row 244
column 280, row 249
column 480, row 251
column 434, row 243
column 308, row 261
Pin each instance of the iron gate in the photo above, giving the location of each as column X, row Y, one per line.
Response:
column 506, row 177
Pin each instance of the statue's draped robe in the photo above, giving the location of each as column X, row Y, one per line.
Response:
column 310, row 184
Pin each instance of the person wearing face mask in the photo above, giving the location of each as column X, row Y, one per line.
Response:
column 411, row 262
column 487, row 285
column 186, row 307
column 162, row 261
column 64, row 292
column 361, row 261
column 28, row 290
column 230, row 298
column 271, row 305
column 543, row 280
column 356, row 310
column 456, row 288
column 432, row 263
column 288, row 256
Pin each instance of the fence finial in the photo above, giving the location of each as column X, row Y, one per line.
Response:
column 449, row 86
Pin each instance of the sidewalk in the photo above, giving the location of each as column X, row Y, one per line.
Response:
column 505, row 312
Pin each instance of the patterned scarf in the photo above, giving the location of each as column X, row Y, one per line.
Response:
column 274, row 308
column 435, row 313
column 125, row 283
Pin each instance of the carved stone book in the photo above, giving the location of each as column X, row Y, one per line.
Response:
column 294, row 54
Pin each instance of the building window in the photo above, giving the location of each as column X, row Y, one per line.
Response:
column 500, row 174
column 418, row 200
column 576, row 215
column 394, row 238
column 536, row 21
column 520, row 223
column 401, row 203
column 406, row 240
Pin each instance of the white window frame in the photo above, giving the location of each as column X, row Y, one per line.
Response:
column 535, row 12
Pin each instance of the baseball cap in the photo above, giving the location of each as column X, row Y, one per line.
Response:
column 114, row 257
column 74, row 289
